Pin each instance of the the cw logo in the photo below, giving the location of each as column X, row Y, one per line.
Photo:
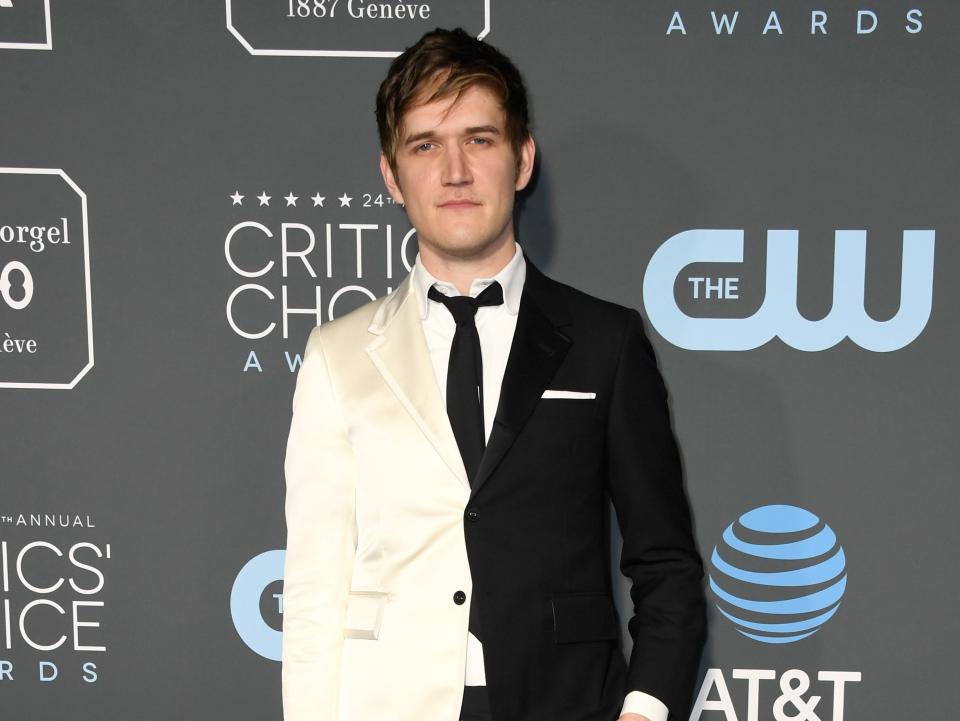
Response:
column 6, row 3
column 778, row 314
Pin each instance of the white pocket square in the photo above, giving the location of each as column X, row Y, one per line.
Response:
column 568, row 394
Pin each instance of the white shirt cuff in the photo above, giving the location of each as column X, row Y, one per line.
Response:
column 645, row 705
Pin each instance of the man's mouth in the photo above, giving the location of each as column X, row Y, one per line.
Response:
column 456, row 204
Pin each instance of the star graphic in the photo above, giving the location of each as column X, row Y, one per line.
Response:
column 291, row 199
column 264, row 198
column 318, row 200
column 237, row 198
column 344, row 200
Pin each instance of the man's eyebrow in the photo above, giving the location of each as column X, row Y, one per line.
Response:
column 473, row 130
column 418, row 136
column 492, row 129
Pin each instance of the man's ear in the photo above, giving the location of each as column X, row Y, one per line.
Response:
column 390, row 179
column 528, row 151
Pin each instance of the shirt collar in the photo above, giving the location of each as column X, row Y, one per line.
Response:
column 510, row 277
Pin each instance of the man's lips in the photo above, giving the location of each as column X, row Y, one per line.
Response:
column 454, row 204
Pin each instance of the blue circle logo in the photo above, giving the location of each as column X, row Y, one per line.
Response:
column 256, row 574
column 778, row 574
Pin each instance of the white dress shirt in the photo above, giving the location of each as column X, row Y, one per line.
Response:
column 495, row 327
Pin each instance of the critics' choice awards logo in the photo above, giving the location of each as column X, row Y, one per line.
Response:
column 302, row 260
column 777, row 316
column 46, row 323
column 52, row 599
column 790, row 21
column 778, row 575
column 25, row 25
column 347, row 28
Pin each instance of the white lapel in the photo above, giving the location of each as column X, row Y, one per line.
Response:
column 399, row 351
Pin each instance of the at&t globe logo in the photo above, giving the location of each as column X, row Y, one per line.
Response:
column 778, row 574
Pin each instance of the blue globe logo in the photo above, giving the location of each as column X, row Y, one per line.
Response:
column 778, row 574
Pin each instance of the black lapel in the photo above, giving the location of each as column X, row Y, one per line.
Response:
column 536, row 353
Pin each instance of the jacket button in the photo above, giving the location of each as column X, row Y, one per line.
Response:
column 473, row 514
column 459, row 597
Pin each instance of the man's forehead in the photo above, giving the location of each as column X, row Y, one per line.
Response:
column 475, row 106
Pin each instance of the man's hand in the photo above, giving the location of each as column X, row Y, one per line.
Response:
column 633, row 717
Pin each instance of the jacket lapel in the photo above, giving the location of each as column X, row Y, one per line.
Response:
column 536, row 353
column 399, row 351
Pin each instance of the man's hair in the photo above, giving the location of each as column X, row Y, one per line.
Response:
column 449, row 62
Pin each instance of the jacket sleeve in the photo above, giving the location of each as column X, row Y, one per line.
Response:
column 659, row 553
column 321, row 542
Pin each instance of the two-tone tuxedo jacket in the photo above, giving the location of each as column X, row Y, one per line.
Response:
column 387, row 542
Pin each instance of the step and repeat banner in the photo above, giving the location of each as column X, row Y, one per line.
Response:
column 188, row 187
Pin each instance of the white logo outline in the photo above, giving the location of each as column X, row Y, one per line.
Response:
column 332, row 53
column 47, row 43
column 86, row 272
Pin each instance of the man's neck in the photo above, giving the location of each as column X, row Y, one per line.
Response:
column 461, row 272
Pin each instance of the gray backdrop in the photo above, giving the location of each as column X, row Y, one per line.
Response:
column 146, row 373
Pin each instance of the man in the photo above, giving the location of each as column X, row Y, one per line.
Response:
column 451, row 449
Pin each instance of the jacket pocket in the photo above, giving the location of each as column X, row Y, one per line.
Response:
column 364, row 614
column 588, row 616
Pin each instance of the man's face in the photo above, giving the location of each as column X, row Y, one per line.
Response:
column 457, row 174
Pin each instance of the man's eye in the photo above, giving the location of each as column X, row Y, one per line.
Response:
column 480, row 141
column 424, row 146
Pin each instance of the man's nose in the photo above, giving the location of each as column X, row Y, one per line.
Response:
column 456, row 169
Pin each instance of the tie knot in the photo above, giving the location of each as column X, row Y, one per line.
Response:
column 463, row 308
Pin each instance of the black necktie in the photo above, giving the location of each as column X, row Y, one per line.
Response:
column 465, row 409
column 465, row 373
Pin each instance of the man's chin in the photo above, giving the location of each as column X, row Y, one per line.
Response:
column 467, row 249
